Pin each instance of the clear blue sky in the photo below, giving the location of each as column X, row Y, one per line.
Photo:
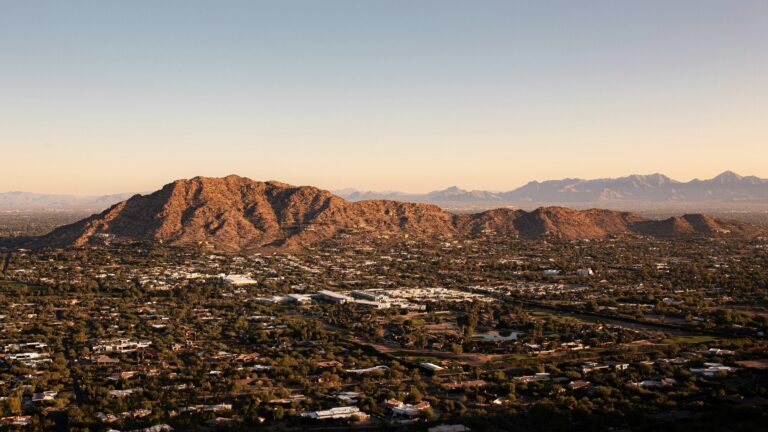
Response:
column 111, row 96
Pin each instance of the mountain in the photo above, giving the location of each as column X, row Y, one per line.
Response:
column 236, row 213
column 33, row 201
column 451, row 194
column 727, row 190
column 456, row 194
column 356, row 195
column 635, row 190
column 726, row 187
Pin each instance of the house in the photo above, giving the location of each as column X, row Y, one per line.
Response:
column 710, row 370
column 617, row 365
column 579, row 385
column 206, row 408
column 15, row 421
column 348, row 397
column 335, row 413
column 116, row 394
column 120, row 346
column 103, row 360
column 107, row 418
column 121, row 376
column 367, row 370
column 298, row 298
column 289, row 400
column 239, row 280
column 27, row 356
column 111, row 418
column 542, row 376
column 400, row 408
column 591, row 367
column 45, row 396
column 247, row 357
column 260, row 367
column 573, row 346
column 25, row 345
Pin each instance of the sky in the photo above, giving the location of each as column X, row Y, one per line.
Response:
column 124, row 96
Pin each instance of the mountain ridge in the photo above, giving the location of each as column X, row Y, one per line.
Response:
column 235, row 213
column 633, row 191
column 652, row 188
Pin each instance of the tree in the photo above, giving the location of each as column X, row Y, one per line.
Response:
column 13, row 405
column 414, row 396
column 426, row 414
column 278, row 413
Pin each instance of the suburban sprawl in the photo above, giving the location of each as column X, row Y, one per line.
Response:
column 390, row 333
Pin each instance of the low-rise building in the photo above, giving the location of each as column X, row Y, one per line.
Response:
column 336, row 413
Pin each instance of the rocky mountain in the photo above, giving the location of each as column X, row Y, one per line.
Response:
column 236, row 213
column 34, row 201
column 638, row 190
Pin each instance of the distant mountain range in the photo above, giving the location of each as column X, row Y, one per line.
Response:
column 726, row 188
column 634, row 192
column 236, row 213
column 35, row 201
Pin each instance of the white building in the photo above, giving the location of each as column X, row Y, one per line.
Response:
column 299, row 298
column 335, row 413
column 371, row 296
column 120, row 345
column 402, row 408
column 334, row 297
column 239, row 280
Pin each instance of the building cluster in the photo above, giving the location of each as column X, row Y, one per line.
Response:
column 388, row 333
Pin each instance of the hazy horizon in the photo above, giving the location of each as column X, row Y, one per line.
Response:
column 115, row 97
column 415, row 192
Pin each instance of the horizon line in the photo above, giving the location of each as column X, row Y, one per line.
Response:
column 336, row 190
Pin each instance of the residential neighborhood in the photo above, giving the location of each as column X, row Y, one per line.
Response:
column 393, row 333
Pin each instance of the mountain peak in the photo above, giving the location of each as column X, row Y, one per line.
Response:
column 727, row 177
column 449, row 191
column 650, row 180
